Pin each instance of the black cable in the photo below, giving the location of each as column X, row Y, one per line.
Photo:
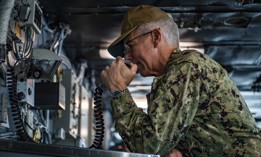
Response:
column 15, row 110
column 15, row 51
column 29, row 43
column 2, row 52
column 99, row 121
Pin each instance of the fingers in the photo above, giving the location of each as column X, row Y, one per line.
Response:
column 118, row 58
column 134, row 68
column 117, row 73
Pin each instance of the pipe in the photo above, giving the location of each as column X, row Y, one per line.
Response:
column 5, row 12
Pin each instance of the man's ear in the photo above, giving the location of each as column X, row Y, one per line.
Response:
column 156, row 37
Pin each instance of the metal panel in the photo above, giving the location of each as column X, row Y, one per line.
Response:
column 70, row 116
column 86, row 118
column 17, row 149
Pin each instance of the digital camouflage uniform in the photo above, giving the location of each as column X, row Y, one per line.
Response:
column 193, row 107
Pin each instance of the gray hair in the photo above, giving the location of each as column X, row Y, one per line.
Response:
column 168, row 28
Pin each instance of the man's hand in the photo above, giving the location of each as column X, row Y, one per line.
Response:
column 174, row 153
column 118, row 76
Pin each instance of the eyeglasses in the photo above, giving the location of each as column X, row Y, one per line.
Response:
column 127, row 47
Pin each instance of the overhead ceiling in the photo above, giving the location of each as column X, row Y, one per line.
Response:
column 226, row 30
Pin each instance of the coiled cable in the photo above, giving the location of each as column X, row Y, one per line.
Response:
column 16, row 114
column 99, row 121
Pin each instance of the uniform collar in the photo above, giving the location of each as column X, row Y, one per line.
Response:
column 174, row 55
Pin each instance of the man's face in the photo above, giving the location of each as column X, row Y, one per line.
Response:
column 142, row 52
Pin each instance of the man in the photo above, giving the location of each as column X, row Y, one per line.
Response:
column 193, row 107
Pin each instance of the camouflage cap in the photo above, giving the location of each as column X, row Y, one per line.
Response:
column 134, row 18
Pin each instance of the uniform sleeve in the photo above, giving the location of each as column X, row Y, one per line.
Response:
column 172, row 105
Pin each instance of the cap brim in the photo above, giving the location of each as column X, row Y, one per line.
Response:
column 116, row 47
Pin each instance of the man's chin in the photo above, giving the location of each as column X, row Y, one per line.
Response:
column 142, row 74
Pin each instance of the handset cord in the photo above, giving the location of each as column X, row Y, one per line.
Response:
column 99, row 121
